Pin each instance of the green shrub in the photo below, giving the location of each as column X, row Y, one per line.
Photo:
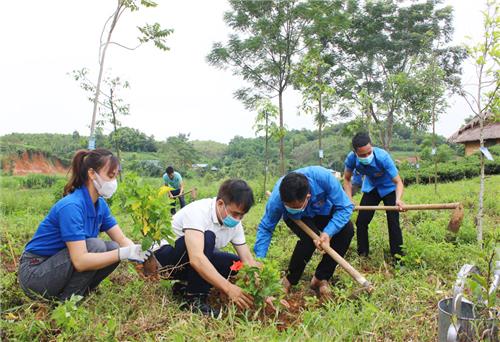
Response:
column 38, row 181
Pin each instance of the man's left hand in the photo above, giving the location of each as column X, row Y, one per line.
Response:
column 323, row 238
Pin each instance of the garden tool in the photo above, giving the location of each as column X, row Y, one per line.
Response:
column 192, row 192
column 456, row 216
column 335, row 256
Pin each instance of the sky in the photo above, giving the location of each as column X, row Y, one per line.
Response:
column 171, row 92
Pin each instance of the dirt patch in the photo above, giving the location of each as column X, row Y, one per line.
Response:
column 34, row 162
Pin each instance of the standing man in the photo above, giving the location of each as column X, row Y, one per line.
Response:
column 173, row 179
column 382, row 183
column 311, row 194
column 202, row 228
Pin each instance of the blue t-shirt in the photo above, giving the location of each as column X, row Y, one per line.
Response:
column 378, row 174
column 326, row 194
column 175, row 182
column 72, row 218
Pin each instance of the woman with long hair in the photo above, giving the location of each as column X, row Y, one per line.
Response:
column 65, row 256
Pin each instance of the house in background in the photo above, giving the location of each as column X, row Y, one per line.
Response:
column 468, row 134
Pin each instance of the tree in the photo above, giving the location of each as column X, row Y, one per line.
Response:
column 112, row 106
column 267, row 36
column 149, row 33
column 482, row 97
column 377, row 40
column 133, row 140
column 266, row 121
column 318, row 96
column 420, row 99
column 179, row 152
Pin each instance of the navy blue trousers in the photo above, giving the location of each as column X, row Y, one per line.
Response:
column 172, row 256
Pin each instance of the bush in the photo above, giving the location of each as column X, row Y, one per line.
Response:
column 38, row 181
column 466, row 167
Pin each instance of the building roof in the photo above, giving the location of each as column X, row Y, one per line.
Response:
column 470, row 131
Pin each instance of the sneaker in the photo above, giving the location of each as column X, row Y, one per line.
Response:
column 198, row 303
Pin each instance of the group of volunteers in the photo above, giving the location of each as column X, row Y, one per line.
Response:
column 66, row 257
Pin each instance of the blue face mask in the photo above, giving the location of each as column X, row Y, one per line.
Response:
column 295, row 211
column 366, row 160
column 230, row 221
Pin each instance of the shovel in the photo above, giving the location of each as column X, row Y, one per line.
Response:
column 456, row 216
column 335, row 256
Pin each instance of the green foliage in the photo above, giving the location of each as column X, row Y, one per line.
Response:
column 69, row 316
column 132, row 140
column 467, row 167
column 378, row 41
column 149, row 208
column 155, row 34
column 261, row 283
column 179, row 152
column 38, row 181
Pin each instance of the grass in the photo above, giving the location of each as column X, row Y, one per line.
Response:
column 127, row 307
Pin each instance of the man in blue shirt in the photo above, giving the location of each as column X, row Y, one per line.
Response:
column 382, row 183
column 313, row 195
column 174, row 180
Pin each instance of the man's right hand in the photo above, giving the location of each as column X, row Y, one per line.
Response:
column 239, row 297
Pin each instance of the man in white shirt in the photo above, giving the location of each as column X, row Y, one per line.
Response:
column 201, row 229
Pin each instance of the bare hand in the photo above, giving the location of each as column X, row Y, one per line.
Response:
column 401, row 205
column 239, row 297
column 255, row 263
column 269, row 302
column 323, row 238
column 170, row 195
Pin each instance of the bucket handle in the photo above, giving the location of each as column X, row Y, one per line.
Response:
column 456, row 304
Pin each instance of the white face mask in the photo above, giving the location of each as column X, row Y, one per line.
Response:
column 105, row 188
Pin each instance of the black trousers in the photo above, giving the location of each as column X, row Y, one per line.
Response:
column 182, row 201
column 177, row 255
column 305, row 248
column 365, row 217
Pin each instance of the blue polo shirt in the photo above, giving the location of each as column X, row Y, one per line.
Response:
column 378, row 174
column 326, row 194
column 175, row 182
column 72, row 218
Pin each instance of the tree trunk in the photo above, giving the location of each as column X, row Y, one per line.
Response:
column 266, row 160
column 320, row 126
column 282, row 146
column 117, row 147
column 91, row 144
column 481, row 186
column 434, row 149
column 388, row 131
column 416, row 156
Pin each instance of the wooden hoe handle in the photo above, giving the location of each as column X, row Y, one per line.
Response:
column 409, row 206
column 335, row 256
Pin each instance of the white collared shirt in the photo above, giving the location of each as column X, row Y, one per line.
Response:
column 201, row 215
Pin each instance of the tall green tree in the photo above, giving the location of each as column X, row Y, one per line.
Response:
column 267, row 113
column 482, row 97
column 318, row 96
column 179, row 152
column 149, row 33
column 266, row 37
column 376, row 40
column 420, row 98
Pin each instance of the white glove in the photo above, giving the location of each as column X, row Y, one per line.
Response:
column 133, row 253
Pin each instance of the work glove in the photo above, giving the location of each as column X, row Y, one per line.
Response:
column 133, row 253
